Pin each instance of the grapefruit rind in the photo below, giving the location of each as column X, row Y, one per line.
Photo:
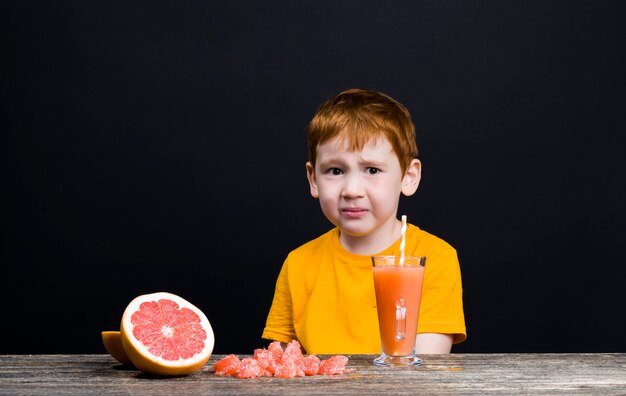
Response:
column 113, row 344
column 150, row 363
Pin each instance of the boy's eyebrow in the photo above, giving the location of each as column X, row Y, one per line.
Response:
column 373, row 161
column 329, row 161
column 362, row 160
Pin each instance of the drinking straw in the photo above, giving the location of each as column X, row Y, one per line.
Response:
column 403, row 241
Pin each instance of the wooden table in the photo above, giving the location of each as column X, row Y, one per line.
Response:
column 597, row 373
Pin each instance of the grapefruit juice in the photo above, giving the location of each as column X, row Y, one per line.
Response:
column 398, row 294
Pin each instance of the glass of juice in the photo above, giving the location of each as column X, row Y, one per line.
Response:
column 398, row 286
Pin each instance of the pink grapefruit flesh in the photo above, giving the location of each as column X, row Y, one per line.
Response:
column 164, row 334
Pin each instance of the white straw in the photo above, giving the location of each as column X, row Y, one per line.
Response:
column 403, row 241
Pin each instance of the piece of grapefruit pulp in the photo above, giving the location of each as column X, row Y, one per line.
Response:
column 113, row 344
column 164, row 334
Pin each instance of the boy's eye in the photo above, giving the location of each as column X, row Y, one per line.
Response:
column 373, row 171
column 335, row 171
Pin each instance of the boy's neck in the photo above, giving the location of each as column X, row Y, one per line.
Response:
column 373, row 243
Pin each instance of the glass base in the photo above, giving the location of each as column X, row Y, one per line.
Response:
column 397, row 361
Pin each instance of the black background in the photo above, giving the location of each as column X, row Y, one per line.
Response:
column 159, row 146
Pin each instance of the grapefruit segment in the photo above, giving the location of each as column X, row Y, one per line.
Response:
column 165, row 334
column 333, row 365
column 310, row 364
column 274, row 361
column 228, row 365
column 250, row 368
column 113, row 344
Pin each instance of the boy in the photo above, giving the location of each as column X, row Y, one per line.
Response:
column 362, row 156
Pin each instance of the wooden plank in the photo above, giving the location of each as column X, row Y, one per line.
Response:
column 603, row 373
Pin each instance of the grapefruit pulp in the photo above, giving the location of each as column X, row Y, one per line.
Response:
column 113, row 344
column 165, row 334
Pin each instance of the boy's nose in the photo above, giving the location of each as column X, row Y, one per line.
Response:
column 353, row 187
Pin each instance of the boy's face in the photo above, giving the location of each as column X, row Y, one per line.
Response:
column 359, row 191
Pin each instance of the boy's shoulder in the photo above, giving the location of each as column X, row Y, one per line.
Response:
column 314, row 245
column 427, row 241
column 418, row 239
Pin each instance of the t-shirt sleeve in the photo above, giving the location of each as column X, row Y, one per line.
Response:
column 441, row 309
column 279, row 324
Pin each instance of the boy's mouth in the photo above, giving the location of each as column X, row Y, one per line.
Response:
column 353, row 213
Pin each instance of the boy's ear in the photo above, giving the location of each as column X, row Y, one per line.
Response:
column 411, row 179
column 310, row 174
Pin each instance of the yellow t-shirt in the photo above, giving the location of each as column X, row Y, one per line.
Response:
column 325, row 296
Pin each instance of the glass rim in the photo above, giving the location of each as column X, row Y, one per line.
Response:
column 395, row 259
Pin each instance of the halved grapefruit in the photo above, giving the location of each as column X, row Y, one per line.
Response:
column 113, row 344
column 165, row 334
